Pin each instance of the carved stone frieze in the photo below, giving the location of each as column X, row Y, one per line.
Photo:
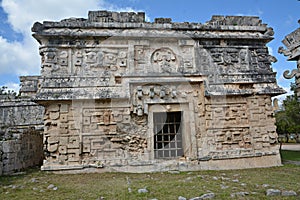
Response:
column 107, row 79
column 164, row 60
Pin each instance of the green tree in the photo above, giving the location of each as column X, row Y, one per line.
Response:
column 288, row 119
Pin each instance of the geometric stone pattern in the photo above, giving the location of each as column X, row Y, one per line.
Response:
column 104, row 78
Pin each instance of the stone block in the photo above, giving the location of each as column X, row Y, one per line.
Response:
column 64, row 117
column 73, row 155
column 54, row 115
column 73, row 142
column 8, row 146
column 86, row 120
column 63, row 140
column 64, row 108
column 53, row 108
column 62, row 149
column 86, row 147
column 52, row 147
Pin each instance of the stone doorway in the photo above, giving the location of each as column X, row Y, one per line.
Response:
column 167, row 134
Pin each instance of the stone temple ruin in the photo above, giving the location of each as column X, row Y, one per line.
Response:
column 123, row 94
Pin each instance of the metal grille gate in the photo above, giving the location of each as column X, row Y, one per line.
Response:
column 167, row 134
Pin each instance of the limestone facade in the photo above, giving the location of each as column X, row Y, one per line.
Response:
column 123, row 94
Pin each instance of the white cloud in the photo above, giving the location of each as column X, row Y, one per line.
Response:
column 23, row 13
column 22, row 58
column 18, row 58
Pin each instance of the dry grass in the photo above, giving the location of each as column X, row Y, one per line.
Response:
column 162, row 186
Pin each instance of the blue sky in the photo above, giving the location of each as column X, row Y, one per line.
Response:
column 19, row 51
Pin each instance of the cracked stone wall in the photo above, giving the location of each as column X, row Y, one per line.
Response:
column 105, row 78
column 21, row 141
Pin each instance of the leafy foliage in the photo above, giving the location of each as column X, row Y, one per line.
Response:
column 288, row 119
column 4, row 91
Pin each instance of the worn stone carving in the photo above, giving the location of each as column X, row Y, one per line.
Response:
column 128, row 95
column 292, row 51
column 165, row 59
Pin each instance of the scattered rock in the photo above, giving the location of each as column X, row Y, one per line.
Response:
column 208, row 196
column 189, row 179
column 243, row 184
column 239, row 194
column 34, row 180
column 35, row 189
column 215, row 178
column 225, row 178
column 129, row 190
column 204, row 196
column 181, row 198
column 51, row 186
column 143, row 190
column 288, row 193
column 18, row 173
column 196, row 198
column 265, row 185
column 55, row 188
column 223, row 187
column 235, row 180
column 273, row 192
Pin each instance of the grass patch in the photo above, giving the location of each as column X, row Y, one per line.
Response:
column 290, row 155
column 162, row 186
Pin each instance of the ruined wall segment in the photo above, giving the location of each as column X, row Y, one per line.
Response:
column 21, row 128
column 124, row 94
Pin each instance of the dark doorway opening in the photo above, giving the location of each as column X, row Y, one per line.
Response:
column 167, row 134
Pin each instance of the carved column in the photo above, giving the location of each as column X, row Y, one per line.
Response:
column 292, row 52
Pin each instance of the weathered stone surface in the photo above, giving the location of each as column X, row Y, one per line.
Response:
column 292, row 52
column 124, row 94
column 288, row 193
column 21, row 143
column 273, row 192
column 143, row 190
column 208, row 196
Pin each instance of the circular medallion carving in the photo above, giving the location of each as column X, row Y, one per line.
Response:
column 165, row 60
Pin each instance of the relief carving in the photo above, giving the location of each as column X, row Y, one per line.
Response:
column 165, row 59
column 114, row 58
column 140, row 57
column 63, row 58
column 91, row 57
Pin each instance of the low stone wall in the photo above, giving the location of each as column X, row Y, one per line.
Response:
column 21, row 140
column 23, row 151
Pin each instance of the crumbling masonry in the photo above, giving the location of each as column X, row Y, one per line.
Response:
column 122, row 94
